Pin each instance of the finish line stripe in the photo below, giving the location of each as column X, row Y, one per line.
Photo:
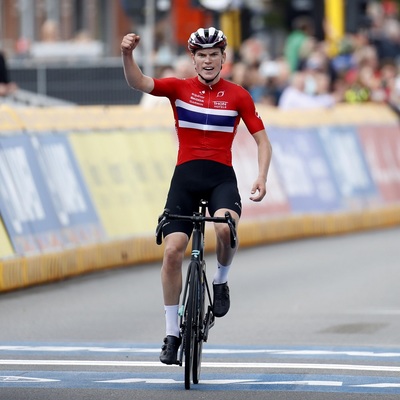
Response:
column 301, row 366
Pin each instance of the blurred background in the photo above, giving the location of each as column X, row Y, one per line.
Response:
column 81, row 153
column 332, row 51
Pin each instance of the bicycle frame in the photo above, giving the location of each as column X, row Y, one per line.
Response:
column 195, row 320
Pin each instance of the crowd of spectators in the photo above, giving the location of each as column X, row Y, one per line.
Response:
column 364, row 68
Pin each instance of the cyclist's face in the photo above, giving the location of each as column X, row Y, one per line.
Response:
column 208, row 63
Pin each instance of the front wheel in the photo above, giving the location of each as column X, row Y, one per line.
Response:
column 191, row 324
column 198, row 347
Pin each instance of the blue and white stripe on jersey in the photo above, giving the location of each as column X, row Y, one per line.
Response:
column 205, row 119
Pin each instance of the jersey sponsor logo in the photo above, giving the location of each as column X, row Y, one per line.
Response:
column 220, row 104
column 205, row 119
column 197, row 99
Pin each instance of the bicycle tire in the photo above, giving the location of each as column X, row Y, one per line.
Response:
column 191, row 322
column 197, row 353
column 198, row 348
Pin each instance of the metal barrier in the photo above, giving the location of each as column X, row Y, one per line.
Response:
column 89, row 82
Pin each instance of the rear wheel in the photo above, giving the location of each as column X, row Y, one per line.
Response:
column 191, row 325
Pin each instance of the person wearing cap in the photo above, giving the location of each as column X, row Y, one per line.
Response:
column 207, row 110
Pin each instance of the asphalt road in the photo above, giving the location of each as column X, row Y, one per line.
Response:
column 310, row 319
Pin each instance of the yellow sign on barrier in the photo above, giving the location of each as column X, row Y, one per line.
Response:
column 6, row 249
column 128, row 175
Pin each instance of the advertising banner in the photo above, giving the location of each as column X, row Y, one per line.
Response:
column 153, row 160
column 6, row 248
column 25, row 204
column 303, row 170
column 351, row 172
column 382, row 150
column 128, row 175
column 72, row 202
column 244, row 153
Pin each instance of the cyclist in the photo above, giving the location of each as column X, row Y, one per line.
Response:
column 207, row 110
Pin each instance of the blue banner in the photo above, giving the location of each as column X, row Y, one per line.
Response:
column 304, row 171
column 67, row 189
column 25, row 204
column 44, row 201
column 347, row 161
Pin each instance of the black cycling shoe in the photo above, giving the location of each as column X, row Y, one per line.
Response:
column 221, row 299
column 169, row 350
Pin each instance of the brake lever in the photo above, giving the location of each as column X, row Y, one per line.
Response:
column 232, row 227
column 161, row 221
column 159, row 231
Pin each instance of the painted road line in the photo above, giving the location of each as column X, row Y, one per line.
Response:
column 225, row 381
column 25, row 379
column 210, row 351
column 219, row 365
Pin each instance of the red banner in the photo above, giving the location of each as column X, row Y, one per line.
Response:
column 246, row 168
column 382, row 150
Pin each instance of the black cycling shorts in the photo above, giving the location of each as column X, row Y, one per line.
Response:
column 201, row 180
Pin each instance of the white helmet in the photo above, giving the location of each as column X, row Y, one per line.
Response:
column 207, row 38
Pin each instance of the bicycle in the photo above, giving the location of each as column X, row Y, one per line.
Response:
column 195, row 318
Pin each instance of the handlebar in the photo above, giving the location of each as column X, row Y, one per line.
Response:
column 196, row 218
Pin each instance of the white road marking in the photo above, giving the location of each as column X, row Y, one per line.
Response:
column 24, row 379
column 379, row 385
column 315, row 383
column 220, row 365
column 174, row 381
column 285, row 352
column 301, row 383
column 20, row 380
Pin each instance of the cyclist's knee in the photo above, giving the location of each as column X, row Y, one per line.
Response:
column 175, row 246
column 223, row 234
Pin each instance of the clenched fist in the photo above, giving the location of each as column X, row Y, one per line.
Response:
column 129, row 43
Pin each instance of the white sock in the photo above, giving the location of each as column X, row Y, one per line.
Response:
column 171, row 320
column 221, row 274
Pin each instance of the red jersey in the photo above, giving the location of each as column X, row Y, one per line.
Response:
column 207, row 117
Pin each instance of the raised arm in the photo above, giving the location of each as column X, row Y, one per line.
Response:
column 133, row 74
column 264, row 148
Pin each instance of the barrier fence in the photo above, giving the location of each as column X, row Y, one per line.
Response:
column 82, row 187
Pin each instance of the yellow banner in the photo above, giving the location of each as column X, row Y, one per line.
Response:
column 128, row 175
column 6, row 249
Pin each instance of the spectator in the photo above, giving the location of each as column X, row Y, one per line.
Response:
column 387, row 42
column 49, row 31
column 248, row 76
column 394, row 97
column 388, row 80
column 276, row 74
column 344, row 60
column 363, row 80
column 6, row 86
column 307, row 91
column 302, row 35
column 246, row 72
